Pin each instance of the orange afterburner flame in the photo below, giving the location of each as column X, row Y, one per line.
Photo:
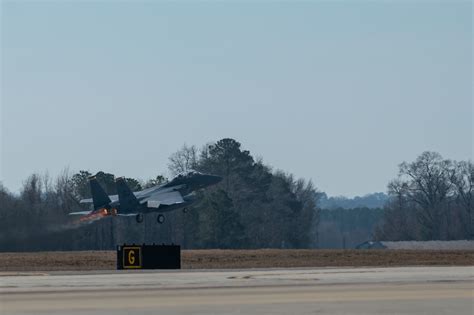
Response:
column 96, row 215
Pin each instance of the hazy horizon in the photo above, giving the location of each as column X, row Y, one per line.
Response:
column 339, row 93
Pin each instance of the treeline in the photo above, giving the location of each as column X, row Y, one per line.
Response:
column 253, row 207
column 371, row 201
column 431, row 199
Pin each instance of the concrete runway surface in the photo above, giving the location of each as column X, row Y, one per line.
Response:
column 405, row 290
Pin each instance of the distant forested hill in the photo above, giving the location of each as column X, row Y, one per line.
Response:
column 347, row 222
column 371, row 201
column 347, row 228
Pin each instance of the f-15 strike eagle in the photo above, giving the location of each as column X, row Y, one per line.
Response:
column 179, row 193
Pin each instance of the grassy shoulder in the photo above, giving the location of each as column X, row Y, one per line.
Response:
column 261, row 258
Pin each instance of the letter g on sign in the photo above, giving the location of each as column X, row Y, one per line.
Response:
column 131, row 257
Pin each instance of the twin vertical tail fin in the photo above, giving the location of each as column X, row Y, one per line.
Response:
column 128, row 202
column 99, row 198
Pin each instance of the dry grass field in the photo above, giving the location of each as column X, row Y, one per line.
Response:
column 221, row 259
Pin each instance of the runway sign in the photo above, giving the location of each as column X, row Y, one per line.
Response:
column 148, row 256
column 132, row 257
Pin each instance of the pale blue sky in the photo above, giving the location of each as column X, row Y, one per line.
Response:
column 337, row 92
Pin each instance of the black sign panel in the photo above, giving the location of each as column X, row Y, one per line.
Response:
column 148, row 257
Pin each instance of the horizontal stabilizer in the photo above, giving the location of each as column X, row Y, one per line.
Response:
column 80, row 213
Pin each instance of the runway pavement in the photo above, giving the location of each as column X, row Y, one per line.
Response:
column 405, row 290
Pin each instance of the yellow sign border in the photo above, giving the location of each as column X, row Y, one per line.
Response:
column 139, row 255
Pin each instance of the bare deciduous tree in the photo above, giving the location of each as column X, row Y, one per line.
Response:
column 432, row 198
column 428, row 184
column 183, row 160
column 463, row 181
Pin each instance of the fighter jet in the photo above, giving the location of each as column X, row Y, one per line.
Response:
column 179, row 193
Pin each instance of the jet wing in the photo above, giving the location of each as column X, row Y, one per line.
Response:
column 163, row 198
